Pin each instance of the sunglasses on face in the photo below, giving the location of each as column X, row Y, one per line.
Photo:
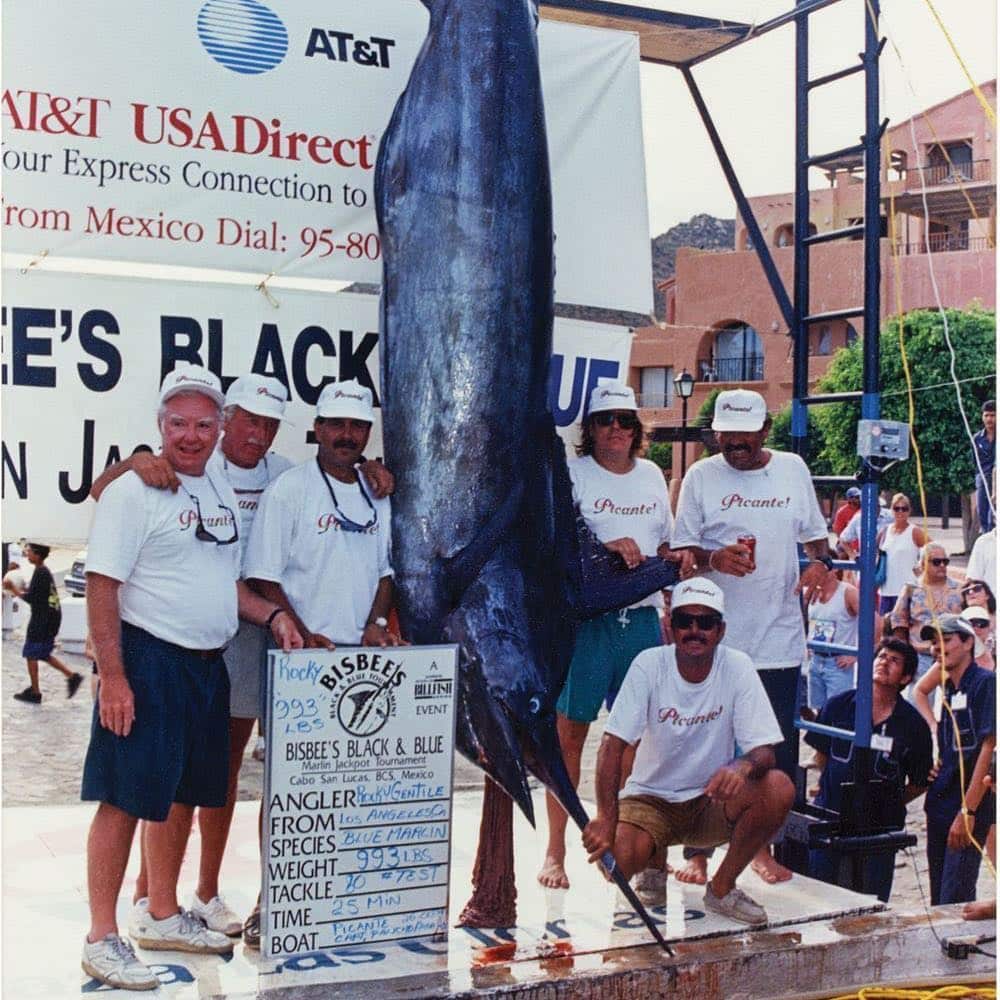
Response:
column 626, row 421
column 979, row 624
column 706, row 623
column 902, row 510
column 973, row 588
column 940, row 561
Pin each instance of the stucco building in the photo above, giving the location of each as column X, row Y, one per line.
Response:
column 722, row 322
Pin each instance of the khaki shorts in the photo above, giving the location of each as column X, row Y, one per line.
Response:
column 699, row 822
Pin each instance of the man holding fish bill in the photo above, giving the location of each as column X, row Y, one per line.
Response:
column 320, row 541
column 623, row 500
column 686, row 705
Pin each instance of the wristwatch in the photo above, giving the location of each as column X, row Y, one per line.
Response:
column 827, row 561
column 381, row 622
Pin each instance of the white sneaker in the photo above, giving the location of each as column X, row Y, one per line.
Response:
column 182, row 932
column 216, row 915
column 651, row 886
column 138, row 916
column 736, row 905
column 112, row 961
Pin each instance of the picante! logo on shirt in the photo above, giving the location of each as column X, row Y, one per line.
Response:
column 364, row 686
column 189, row 517
column 737, row 500
column 605, row 505
column 330, row 522
column 672, row 716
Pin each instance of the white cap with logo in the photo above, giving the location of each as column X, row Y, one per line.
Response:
column 351, row 400
column 610, row 394
column 698, row 591
column 194, row 378
column 739, row 410
column 258, row 394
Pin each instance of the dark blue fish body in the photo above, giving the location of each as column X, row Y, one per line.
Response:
column 486, row 545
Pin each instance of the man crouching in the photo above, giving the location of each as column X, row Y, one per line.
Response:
column 689, row 704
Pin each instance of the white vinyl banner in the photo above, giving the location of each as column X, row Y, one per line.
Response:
column 84, row 355
column 240, row 135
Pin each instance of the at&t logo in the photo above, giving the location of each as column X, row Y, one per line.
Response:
column 242, row 35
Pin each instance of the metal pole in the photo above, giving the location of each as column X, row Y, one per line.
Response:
column 870, row 397
column 684, row 434
column 742, row 205
column 800, row 281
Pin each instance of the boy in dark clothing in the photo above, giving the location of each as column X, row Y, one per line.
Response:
column 904, row 757
column 43, row 626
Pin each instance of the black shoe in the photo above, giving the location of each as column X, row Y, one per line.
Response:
column 30, row 696
column 251, row 930
column 73, row 684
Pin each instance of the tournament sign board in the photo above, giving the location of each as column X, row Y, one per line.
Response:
column 358, row 785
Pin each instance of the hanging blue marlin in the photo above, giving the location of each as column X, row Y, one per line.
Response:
column 488, row 549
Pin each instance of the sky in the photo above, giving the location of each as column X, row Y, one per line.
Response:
column 750, row 94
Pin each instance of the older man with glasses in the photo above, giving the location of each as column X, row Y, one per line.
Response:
column 320, row 541
column 686, row 706
column 163, row 599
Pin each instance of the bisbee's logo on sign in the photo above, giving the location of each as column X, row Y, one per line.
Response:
column 242, row 35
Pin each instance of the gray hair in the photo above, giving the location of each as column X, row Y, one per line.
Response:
column 161, row 411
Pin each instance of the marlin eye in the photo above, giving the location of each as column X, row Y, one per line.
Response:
column 534, row 705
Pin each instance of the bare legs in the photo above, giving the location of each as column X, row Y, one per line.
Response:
column 108, row 846
column 572, row 736
column 213, row 824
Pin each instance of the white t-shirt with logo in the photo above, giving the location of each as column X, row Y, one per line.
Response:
column 688, row 730
column 248, row 485
column 632, row 505
column 174, row 586
column 777, row 504
column 329, row 575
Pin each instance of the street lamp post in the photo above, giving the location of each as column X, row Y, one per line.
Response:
column 684, row 384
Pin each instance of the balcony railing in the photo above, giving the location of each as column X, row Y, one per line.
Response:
column 937, row 174
column 749, row 368
column 948, row 243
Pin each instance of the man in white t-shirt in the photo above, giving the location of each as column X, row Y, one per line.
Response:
column 749, row 491
column 163, row 596
column 686, row 706
column 623, row 500
column 320, row 541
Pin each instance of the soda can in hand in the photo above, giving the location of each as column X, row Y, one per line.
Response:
column 750, row 541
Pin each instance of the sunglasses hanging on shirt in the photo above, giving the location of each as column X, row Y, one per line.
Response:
column 339, row 516
column 201, row 532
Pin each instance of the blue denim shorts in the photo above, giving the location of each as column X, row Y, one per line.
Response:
column 178, row 747
column 38, row 650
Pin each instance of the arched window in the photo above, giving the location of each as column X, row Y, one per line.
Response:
column 738, row 354
column 784, row 236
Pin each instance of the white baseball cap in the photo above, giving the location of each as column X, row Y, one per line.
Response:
column 194, row 378
column 346, row 399
column 698, row 590
column 259, row 394
column 739, row 410
column 611, row 395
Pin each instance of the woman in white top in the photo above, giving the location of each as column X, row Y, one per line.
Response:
column 833, row 618
column 901, row 542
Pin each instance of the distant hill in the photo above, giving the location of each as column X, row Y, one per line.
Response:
column 704, row 232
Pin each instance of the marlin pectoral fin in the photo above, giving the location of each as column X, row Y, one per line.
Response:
column 600, row 582
column 461, row 569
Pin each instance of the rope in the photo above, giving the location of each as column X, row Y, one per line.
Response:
column 990, row 113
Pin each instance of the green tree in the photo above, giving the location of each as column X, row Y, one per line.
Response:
column 945, row 449
column 661, row 452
